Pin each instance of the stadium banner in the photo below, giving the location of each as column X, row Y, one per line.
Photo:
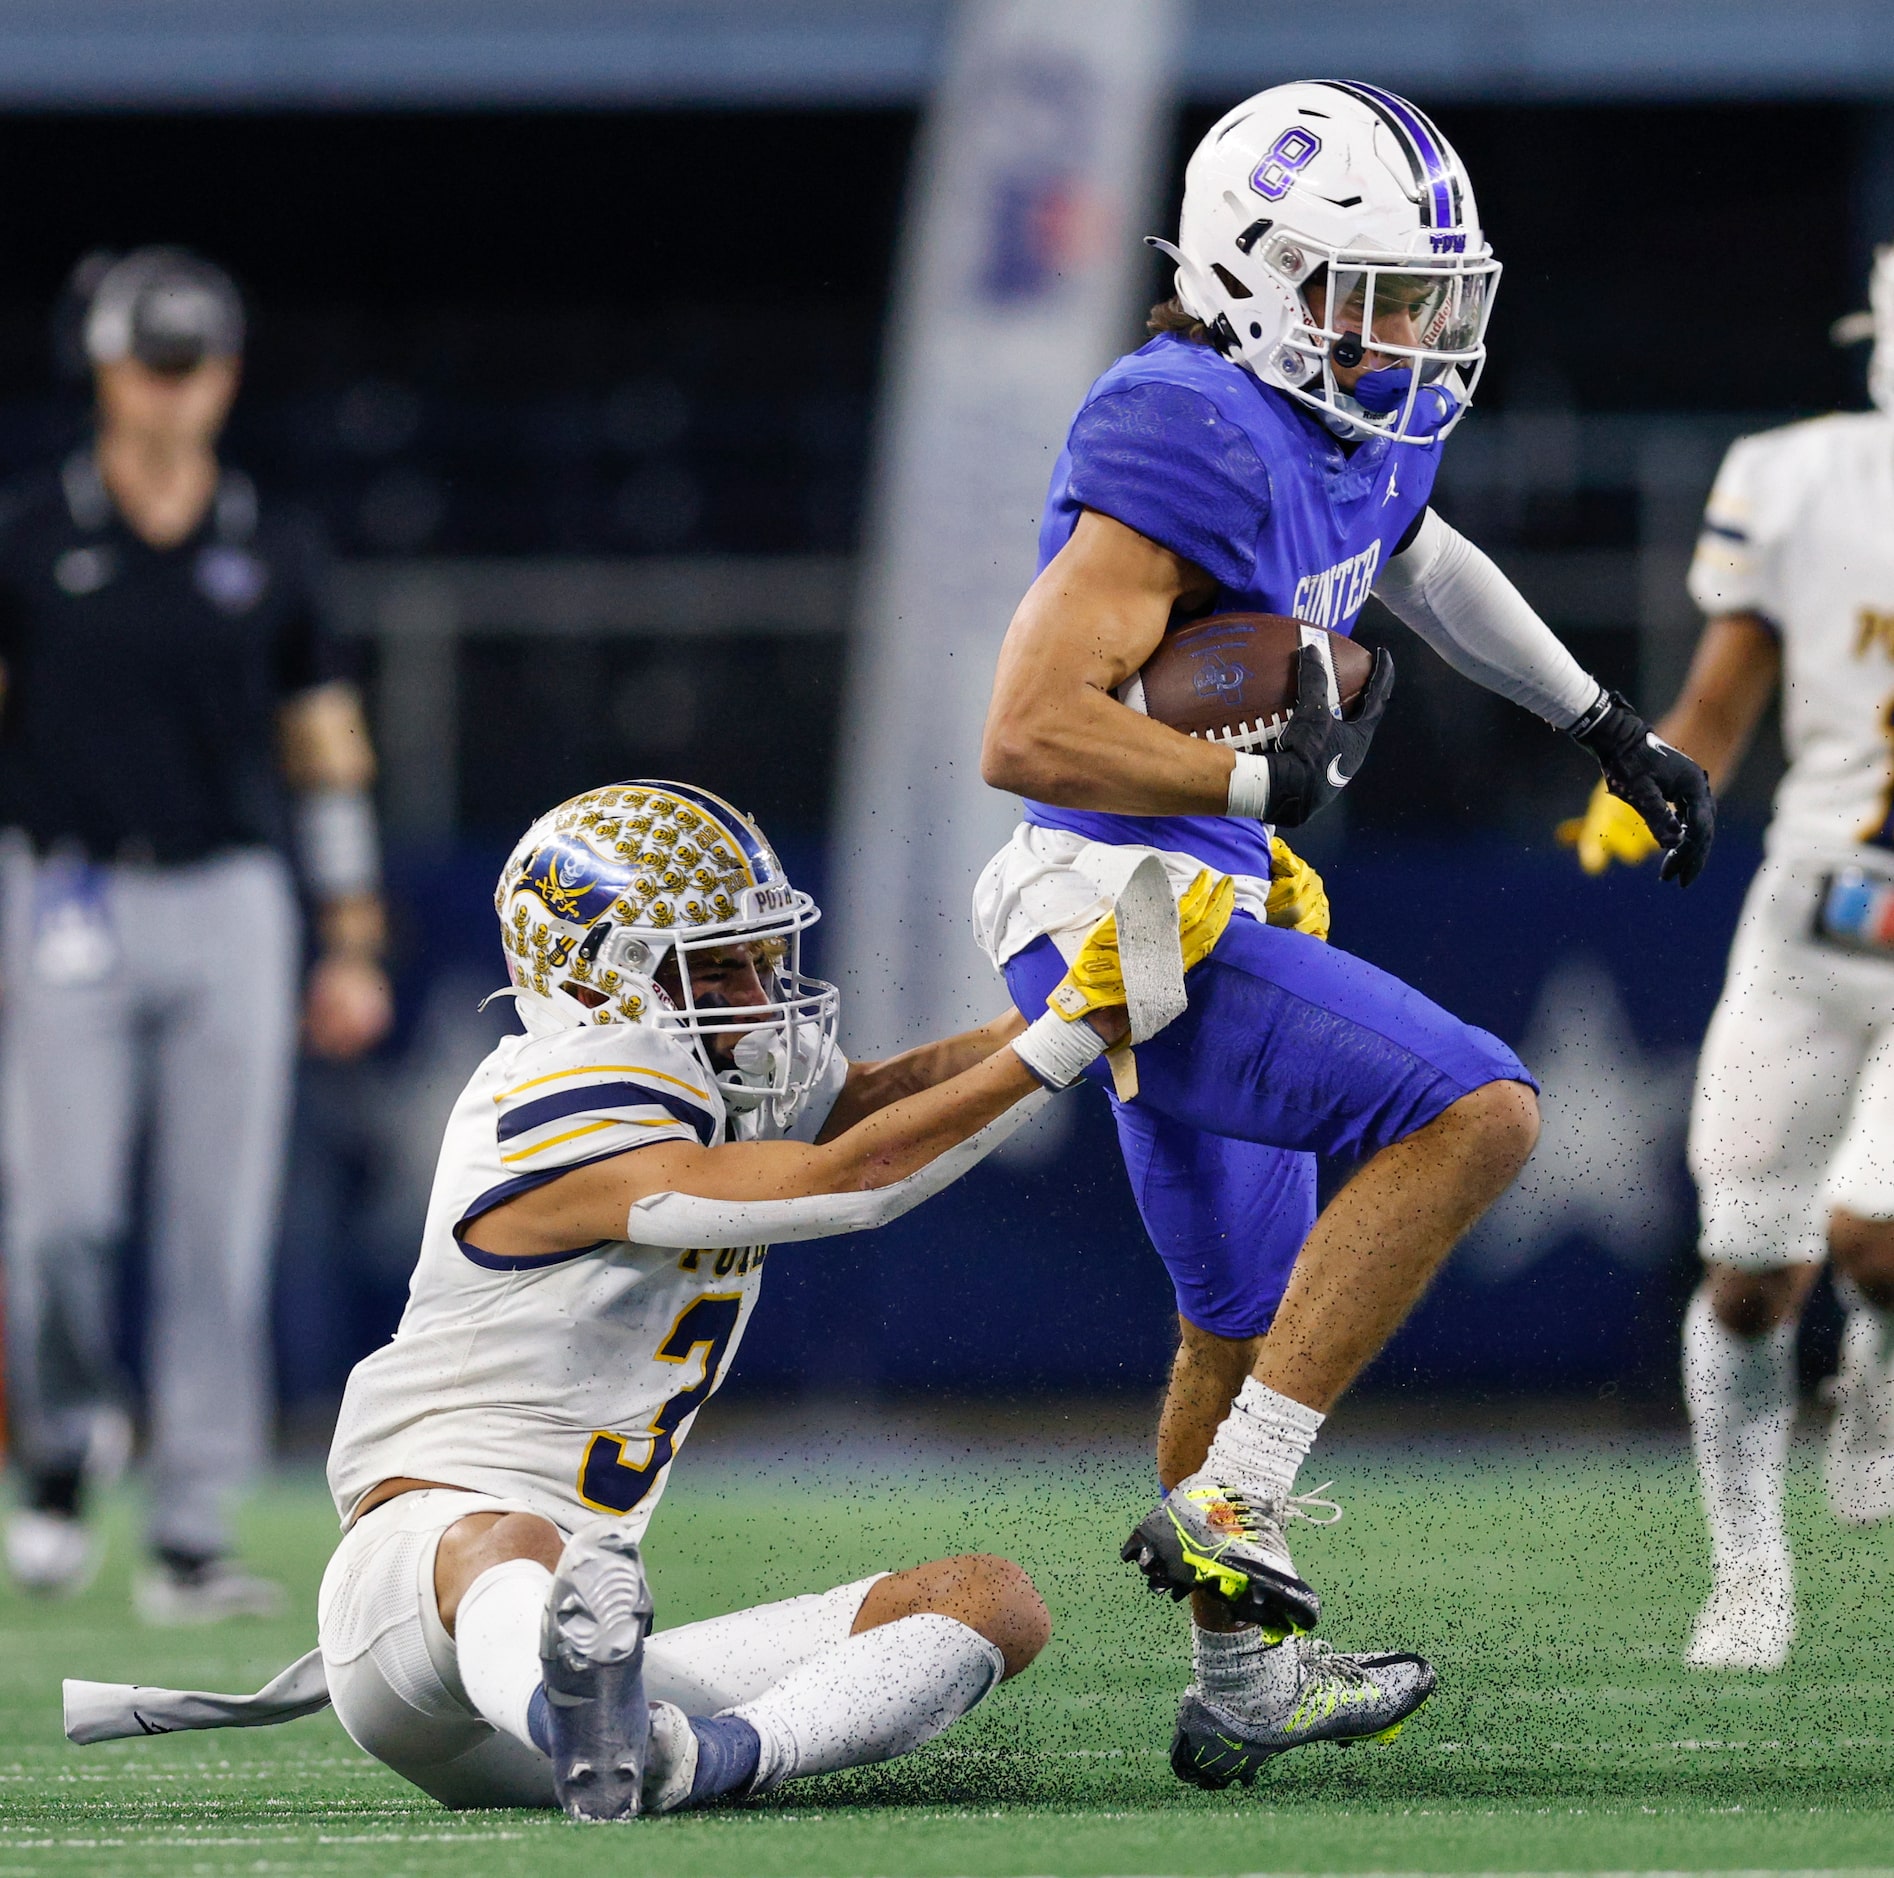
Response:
column 1035, row 176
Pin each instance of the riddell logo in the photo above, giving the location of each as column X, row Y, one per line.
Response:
column 1447, row 244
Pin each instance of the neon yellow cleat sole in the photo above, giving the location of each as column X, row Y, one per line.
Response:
column 1173, row 1560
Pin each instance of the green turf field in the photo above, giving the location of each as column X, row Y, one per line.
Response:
column 1552, row 1583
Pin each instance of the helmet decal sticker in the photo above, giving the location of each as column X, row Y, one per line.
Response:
column 564, row 874
column 1275, row 175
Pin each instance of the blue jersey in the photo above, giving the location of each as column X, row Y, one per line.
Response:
column 1189, row 449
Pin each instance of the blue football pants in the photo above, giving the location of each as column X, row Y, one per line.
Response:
column 1290, row 1049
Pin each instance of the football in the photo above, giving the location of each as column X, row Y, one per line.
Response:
column 1232, row 677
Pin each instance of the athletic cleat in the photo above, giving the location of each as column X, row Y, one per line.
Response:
column 52, row 1555
column 1859, row 1471
column 591, row 1654
column 1748, row 1622
column 1338, row 1698
column 1205, row 1536
column 177, row 1593
column 670, row 1761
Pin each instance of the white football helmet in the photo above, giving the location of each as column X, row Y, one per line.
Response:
column 1876, row 324
column 601, row 890
column 1881, row 312
column 1323, row 218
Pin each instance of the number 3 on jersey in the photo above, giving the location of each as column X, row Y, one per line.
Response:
column 606, row 1479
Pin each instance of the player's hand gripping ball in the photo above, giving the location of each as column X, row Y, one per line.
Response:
column 1297, row 897
column 1609, row 830
column 1307, row 700
column 1095, row 980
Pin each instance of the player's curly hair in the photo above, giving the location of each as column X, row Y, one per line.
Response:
column 1172, row 316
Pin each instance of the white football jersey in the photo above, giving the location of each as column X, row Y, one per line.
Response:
column 1800, row 529
column 568, row 1381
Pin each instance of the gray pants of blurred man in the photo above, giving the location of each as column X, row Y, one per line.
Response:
column 154, row 1003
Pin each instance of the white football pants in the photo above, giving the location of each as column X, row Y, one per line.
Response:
column 1794, row 1110
column 395, row 1681
column 160, row 999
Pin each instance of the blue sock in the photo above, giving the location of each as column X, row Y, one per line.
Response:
column 539, row 1721
column 728, row 1750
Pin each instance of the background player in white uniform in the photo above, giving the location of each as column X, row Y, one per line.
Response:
column 590, row 1259
column 1792, row 1132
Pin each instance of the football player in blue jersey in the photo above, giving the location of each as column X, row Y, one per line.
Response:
column 1272, row 449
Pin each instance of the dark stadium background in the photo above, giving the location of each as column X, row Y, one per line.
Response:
column 656, row 332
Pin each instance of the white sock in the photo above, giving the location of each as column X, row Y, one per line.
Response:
column 1741, row 1396
column 880, row 1694
column 1237, row 1670
column 496, row 1639
column 1262, row 1441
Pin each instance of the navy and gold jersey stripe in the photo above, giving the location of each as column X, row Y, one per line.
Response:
column 598, row 1096
column 604, row 1069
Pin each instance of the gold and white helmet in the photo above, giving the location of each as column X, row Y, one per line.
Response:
column 602, row 889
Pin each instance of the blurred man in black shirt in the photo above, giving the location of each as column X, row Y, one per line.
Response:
column 174, row 722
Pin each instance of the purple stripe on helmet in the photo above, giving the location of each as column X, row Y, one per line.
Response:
column 1437, row 170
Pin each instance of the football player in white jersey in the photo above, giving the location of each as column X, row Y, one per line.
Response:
column 1792, row 1130
column 593, row 1249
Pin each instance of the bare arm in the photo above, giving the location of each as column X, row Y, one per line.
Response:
column 326, row 748
column 592, row 1203
column 1053, row 729
column 325, row 739
column 325, row 745
column 1731, row 679
column 872, row 1086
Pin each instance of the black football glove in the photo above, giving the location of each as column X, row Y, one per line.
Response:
column 1663, row 785
column 1320, row 754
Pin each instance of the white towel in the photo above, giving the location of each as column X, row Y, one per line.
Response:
column 110, row 1711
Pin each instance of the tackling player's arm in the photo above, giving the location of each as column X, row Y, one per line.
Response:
column 872, row 1086
column 592, row 1203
